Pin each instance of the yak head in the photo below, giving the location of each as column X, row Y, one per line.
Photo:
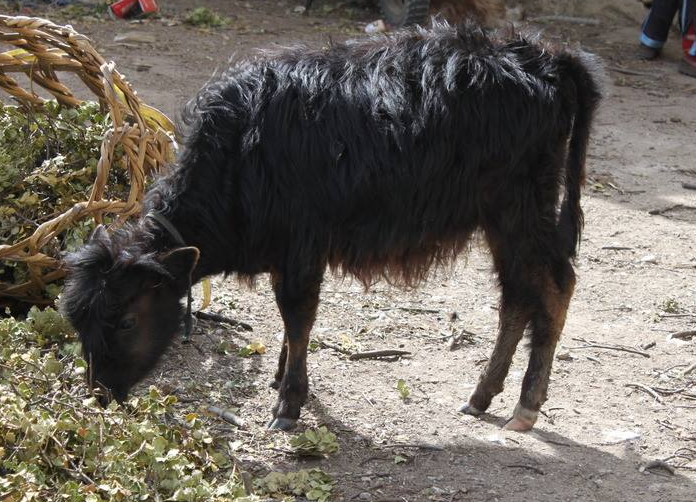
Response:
column 125, row 303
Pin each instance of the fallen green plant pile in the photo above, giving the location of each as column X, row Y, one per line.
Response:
column 57, row 444
column 313, row 484
column 203, row 17
column 48, row 160
column 315, row 443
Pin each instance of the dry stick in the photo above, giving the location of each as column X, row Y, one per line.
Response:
column 420, row 446
column 689, row 370
column 685, row 314
column 337, row 348
column 415, row 310
column 646, row 389
column 594, row 345
column 684, row 335
column 456, row 339
column 227, row 416
column 689, row 186
column 530, row 467
column 378, row 353
column 367, row 399
column 208, row 316
column 617, row 248
column 669, row 208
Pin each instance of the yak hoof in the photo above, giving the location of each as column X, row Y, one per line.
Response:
column 469, row 409
column 282, row 424
column 522, row 420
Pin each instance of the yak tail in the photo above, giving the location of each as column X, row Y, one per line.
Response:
column 582, row 70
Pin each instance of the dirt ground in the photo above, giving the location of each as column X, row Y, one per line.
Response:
column 610, row 412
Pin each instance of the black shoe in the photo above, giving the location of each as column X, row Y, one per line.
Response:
column 647, row 53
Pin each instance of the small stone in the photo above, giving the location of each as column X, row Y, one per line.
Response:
column 300, row 9
column 365, row 496
column 135, row 37
column 564, row 356
column 649, row 258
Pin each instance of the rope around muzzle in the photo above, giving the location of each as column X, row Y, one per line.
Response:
column 169, row 227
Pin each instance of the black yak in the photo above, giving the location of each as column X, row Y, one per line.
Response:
column 379, row 158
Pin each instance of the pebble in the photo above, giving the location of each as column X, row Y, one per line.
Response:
column 365, row 496
column 649, row 258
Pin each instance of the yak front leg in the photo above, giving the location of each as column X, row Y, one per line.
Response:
column 297, row 299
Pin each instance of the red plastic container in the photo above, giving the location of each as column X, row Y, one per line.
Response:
column 123, row 9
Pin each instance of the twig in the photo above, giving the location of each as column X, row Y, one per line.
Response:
column 209, row 316
column 669, row 208
column 456, row 339
column 645, row 388
column 420, row 446
column 337, row 348
column 617, row 248
column 689, row 369
column 367, row 399
column 684, row 335
column 415, row 310
column 685, row 314
column 689, row 186
column 524, row 466
column 378, row 353
column 566, row 19
column 227, row 416
column 591, row 345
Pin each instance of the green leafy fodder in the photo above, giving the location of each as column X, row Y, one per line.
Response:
column 315, row 443
column 203, row 17
column 312, row 484
column 57, row 444
column 48, row 161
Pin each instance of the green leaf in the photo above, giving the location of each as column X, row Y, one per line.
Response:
column 315, row 443
column 403, row 389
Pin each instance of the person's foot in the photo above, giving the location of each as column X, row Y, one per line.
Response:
column 647, row 53
column 687, row 65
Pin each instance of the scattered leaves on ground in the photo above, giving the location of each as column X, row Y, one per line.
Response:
column 56, row 443
column 252, row 348
column 312, row 484
column 315, row 443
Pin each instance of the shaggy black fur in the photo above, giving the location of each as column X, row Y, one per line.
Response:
column 380, row 158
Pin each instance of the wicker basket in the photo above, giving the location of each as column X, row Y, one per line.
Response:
column 42, row 51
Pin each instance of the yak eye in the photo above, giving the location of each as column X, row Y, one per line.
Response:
column 129, row 321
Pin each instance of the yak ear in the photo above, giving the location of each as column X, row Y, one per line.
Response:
column 181, row 262
column 99, row 233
